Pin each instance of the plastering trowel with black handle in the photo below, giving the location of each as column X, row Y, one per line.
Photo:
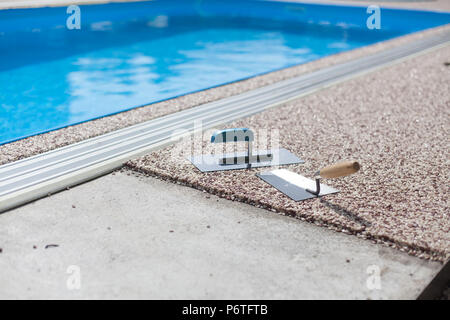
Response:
column 241, row 160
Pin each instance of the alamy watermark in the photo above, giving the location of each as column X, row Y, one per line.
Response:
column 74, row 20
column 195, row 144
column 373, row 281
column 374, row 20
column 74, row 280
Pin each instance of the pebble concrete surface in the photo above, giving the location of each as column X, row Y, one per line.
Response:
column 395, row 122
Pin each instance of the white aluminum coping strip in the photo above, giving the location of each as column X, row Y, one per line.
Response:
column 31, row 178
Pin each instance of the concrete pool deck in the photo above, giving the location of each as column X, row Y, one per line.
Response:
column 178, row 243
column 119, row 258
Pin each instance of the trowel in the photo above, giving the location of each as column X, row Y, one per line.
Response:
column 299, row 188
column 241, row 160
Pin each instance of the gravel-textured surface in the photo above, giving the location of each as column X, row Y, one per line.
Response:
column 59, row 138
column 433, row 5
column 10, row 4
column 395, row 121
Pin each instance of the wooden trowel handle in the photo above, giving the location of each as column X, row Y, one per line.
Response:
column 339, row 169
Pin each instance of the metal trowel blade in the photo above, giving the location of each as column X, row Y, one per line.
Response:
column 294, row 185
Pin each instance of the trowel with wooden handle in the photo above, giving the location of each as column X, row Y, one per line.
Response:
column 298, row 187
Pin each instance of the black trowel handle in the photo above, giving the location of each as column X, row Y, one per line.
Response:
column 339, row 169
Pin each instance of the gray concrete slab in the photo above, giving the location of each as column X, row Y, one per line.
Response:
column 126, row 237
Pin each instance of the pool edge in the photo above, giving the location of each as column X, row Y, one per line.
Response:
column 48, row 141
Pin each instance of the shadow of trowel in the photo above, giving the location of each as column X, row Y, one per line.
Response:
column 346, row 213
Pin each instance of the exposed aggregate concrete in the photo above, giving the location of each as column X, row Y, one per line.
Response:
column 431, row 5
column 395, row 121
column 48, row 141
column 434, row 5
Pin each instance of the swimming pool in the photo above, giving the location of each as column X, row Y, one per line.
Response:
column 131, row 54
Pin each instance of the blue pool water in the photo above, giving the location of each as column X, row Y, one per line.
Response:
column 133, row 54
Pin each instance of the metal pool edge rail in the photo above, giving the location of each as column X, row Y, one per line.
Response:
column 35, row 177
